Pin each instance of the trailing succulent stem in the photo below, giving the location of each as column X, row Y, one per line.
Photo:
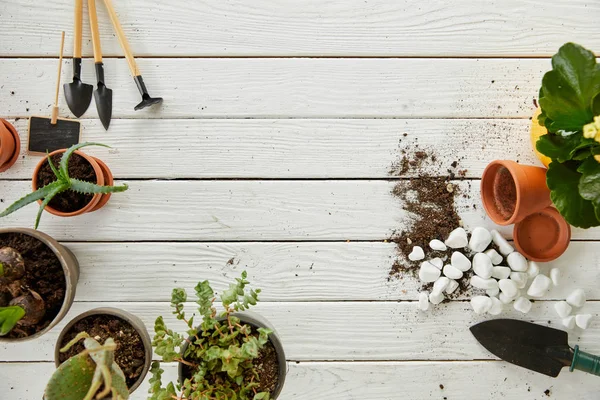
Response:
column 62, row 183
column 218, row 355
column 82, row 376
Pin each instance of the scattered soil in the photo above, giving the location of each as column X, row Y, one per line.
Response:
column 505, row 193
column 43, row 274
column 79, row 168
column 130, row 354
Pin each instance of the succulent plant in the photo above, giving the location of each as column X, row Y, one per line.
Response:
column 62, row 183
column 82, row 376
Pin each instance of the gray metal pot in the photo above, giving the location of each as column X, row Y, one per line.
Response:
column 131, row 319
column 257, row 321
column 70, row 267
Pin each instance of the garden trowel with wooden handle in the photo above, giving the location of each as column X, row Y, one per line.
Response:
column 535, row 347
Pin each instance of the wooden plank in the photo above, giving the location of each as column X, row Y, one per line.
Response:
column 220, row 148
column 310, row 28
column 246, row 211
column 295, row 87
column 347, row 331
column 284, row 271
column 373, row 380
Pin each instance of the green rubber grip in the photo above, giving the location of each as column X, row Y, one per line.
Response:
column 585, row 362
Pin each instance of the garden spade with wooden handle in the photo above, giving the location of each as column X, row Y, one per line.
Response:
column 77, row 93
column 535, row 347
column 102, row 95
column 137, row 76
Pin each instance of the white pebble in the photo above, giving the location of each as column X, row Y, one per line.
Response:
column 569, row 322
column 440, row 284
column 423, row 301
column 520, row 278
column 437, row 262
column 494, row 256
column 508, row 287
column 497, row 307
column 480, row 239
column 555, row 275
column 457, row 239
column 505, row 299
column 576, row 298
column 481, row 304
column 523, row 305
column 436, row 298
column 503, row 245
column 416, row 254
column 452, row 286
column 452, row 272
column 482, row 265
column 428, row 273
column 563, row 309
column 437, row 245
column 493, row 292
column 460, row 261
column 517, row 262
column 533, row 270
column 486, row 284
column 539, row 286
column 583, row 320
column 500, row 272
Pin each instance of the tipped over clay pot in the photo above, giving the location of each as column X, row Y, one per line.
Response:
column 511, row 191
column 10, row 145
column 542, row 236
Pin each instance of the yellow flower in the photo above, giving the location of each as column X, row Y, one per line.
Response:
column 592, row 130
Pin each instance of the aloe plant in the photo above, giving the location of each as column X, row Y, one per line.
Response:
column 62, row 183
column 82, row 376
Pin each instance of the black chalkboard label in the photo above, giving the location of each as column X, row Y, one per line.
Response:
column 45, row 137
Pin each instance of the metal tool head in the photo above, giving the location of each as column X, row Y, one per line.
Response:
column 147, row 101
column 103, row 97
column 535, row 347
column 78, row 95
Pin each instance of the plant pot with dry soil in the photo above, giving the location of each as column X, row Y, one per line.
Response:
column 69, row 183
column 231, row 355
column 132, row 350
column 38, row 277
column 10, row 145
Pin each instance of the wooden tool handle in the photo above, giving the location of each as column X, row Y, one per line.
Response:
column 95, row 31
column 77, row 31
column 55, row 108
column 122, row 38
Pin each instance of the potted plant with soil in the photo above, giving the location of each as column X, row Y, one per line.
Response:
column 68, row 183
column 10, row 145
column 231, row 355
column 38, row 277
column 133, row 351
column 91, row 374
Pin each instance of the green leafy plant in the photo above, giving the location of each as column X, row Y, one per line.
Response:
column 62, row 183
column 569, row 100
column 218, row 355
column 82, row 376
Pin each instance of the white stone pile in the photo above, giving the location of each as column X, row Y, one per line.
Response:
column 564, row 309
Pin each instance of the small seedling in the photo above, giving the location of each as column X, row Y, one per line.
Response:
column 63, row 182
column 219, row 353
column 82, row 376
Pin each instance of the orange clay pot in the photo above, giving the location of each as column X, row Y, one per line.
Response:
column 103, row 177
column 542, row 236
column 510, row 191
column 10, row 145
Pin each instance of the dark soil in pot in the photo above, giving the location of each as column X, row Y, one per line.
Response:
column 43, row 274
column 505, row 193
column 130, row 354
column 79, row 168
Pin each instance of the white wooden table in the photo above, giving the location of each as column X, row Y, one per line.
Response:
column 280, row 122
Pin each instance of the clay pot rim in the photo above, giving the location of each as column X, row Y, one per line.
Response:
column 491, row 169
column 126, row 316
column 12, row 130
column 99, row 180
column 108, row 181
column 556, row 251
column 71, row 278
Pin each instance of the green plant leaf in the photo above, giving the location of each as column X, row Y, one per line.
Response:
column 88, row 187
column 562, row 148
column 563, row 182
column 9, row 316
column 569, row 89
column 64, row 161
column 53, row 168
column 47, row 199
column 32, row 197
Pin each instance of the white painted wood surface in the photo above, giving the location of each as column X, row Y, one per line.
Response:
column 281, row 122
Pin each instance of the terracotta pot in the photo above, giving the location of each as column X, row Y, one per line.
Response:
column 257, row 321
column 542, row 236
column 131, row 319
column 10, row 145
column 70, row 268
column 103, row 177
column 511, row 191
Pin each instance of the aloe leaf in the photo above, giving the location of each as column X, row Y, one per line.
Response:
column 31, row 197
column 53, row 168
column 88, row 187
column 47, row 200
column 64, row 162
